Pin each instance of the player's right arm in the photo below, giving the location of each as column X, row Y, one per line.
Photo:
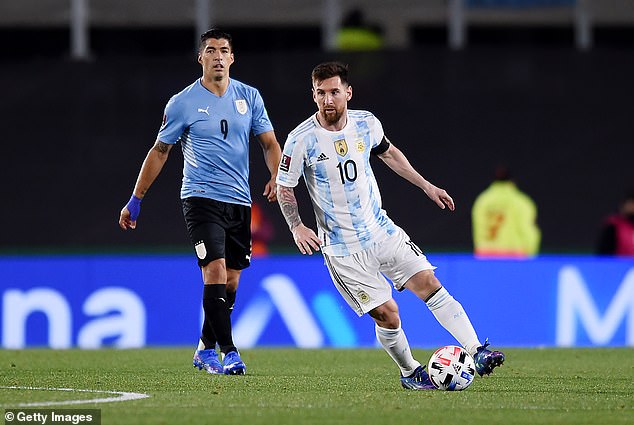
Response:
column 151, row 168
column 304, row 237
column 288, row 174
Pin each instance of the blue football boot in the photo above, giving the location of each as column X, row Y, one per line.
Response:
column 234, row 364
column 486, row 360
column 208, row 360
column 419, row 380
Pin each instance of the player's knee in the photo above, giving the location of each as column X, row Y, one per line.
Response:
column 386, row 315
column 233, row 278
column 389, row 322
column 215, row 272
column 423, row 283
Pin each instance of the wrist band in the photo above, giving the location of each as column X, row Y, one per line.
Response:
column 134, row 206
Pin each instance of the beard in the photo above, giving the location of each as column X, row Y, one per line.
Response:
column 332, row 117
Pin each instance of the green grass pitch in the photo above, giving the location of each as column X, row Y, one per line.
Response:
column 294, row 386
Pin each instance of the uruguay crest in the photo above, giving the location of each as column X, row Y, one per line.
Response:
column 341, row 147
column 241, row 106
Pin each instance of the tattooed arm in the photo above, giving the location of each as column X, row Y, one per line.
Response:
column 304, row 237
column 152, row 166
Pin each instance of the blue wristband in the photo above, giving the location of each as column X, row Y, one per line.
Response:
column 134, row 206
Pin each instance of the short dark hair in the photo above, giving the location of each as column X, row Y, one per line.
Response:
column 217, row 34
column 502, row 173
column 326, row 70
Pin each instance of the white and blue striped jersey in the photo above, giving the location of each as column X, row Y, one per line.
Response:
column 214, row 134
column 340, row 181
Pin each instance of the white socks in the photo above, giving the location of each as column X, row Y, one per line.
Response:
column 395, row 343
column 452, row 317
column 449, row 314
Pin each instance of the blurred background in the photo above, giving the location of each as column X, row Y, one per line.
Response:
column 544, row 87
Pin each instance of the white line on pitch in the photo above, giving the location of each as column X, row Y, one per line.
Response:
column 121, row 396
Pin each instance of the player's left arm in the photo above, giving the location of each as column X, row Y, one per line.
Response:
column 272, row 156
column 398, row 162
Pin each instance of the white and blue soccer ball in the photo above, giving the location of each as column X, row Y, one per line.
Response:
column 451, row 368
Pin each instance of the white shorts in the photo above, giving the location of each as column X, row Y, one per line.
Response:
column 361, row 278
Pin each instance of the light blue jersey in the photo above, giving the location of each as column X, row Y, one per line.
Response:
column 340, row 181
column 214, row 135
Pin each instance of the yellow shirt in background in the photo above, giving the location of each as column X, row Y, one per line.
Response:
column 505, row 222
column 358, row 39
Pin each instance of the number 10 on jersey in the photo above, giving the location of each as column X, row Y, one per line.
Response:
column 347, row 171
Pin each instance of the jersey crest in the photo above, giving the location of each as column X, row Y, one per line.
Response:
column 241, row 106
column 341, row 147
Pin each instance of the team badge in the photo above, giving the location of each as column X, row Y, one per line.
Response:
column 241, row 106
column 201, row 250
column 363, row 297
column 341, row 147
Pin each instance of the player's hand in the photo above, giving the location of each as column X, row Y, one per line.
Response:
column 441, row 198
column 130, row 213
column 306, row 240
column 270, row 190
column 124, row 220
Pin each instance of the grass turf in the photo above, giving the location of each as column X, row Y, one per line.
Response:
column 293, row 386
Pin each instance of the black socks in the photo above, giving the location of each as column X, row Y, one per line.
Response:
column 217, row 326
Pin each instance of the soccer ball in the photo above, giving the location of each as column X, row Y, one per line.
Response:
column 451, row 368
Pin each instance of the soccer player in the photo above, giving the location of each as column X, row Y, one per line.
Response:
column 212, row 119
column 360, row 243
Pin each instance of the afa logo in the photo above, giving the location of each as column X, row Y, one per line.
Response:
column 363, row 297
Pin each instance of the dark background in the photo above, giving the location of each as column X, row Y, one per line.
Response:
column 75, row 133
